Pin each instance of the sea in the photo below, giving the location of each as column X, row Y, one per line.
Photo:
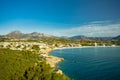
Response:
column 90, row 63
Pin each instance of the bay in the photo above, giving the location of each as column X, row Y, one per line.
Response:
column 92, row 63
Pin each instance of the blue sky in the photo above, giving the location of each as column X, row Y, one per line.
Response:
column 61, row 17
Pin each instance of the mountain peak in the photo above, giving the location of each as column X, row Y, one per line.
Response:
column 16, row 32
column 35, row 33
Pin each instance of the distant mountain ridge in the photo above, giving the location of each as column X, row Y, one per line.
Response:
column 35, row 35
column 82, row 37
column 117, row 38
column 78, row 37
column 20, row 35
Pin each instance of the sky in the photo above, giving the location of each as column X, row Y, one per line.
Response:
column 61, row 17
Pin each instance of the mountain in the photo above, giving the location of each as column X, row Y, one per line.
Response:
column 82, row 37
column 78, row 37
column 34, row 35
column 15, row 34
column 64, row 37
column 117, row 38
column 101, row 38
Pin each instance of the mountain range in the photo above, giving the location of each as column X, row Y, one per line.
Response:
column 36, row 35
column 20, row 35
column 82, row 37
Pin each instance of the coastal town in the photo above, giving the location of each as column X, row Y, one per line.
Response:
column 42, row 48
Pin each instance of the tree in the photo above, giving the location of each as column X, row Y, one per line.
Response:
column 36, row 47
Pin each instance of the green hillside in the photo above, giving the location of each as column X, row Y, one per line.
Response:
column 25, row 65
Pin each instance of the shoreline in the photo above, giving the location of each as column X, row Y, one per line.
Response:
column 54, row 60
column 83, row 47
column 107, row 49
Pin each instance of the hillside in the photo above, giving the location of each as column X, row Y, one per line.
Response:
column 25, row 65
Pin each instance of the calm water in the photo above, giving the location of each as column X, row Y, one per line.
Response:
column 101, row 63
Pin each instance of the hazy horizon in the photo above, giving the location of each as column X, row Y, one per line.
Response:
column 55, row 35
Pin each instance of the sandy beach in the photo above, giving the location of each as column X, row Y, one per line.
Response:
column 83, row 47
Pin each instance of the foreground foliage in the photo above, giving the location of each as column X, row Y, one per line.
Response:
column 25, row 65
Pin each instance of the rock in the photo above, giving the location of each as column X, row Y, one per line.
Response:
column 59, row 72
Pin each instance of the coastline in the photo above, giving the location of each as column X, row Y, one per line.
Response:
column 54, row 60
column 82, row 47
column 90, row 54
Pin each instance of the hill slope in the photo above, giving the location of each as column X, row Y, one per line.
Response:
column 24, row 65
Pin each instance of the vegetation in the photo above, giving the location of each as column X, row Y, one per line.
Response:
column 36, row 47
column 59, row 41
column 25, row 65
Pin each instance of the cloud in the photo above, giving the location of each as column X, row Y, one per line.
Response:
column 93, row 29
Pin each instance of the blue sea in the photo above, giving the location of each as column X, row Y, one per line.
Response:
column 92, row 63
